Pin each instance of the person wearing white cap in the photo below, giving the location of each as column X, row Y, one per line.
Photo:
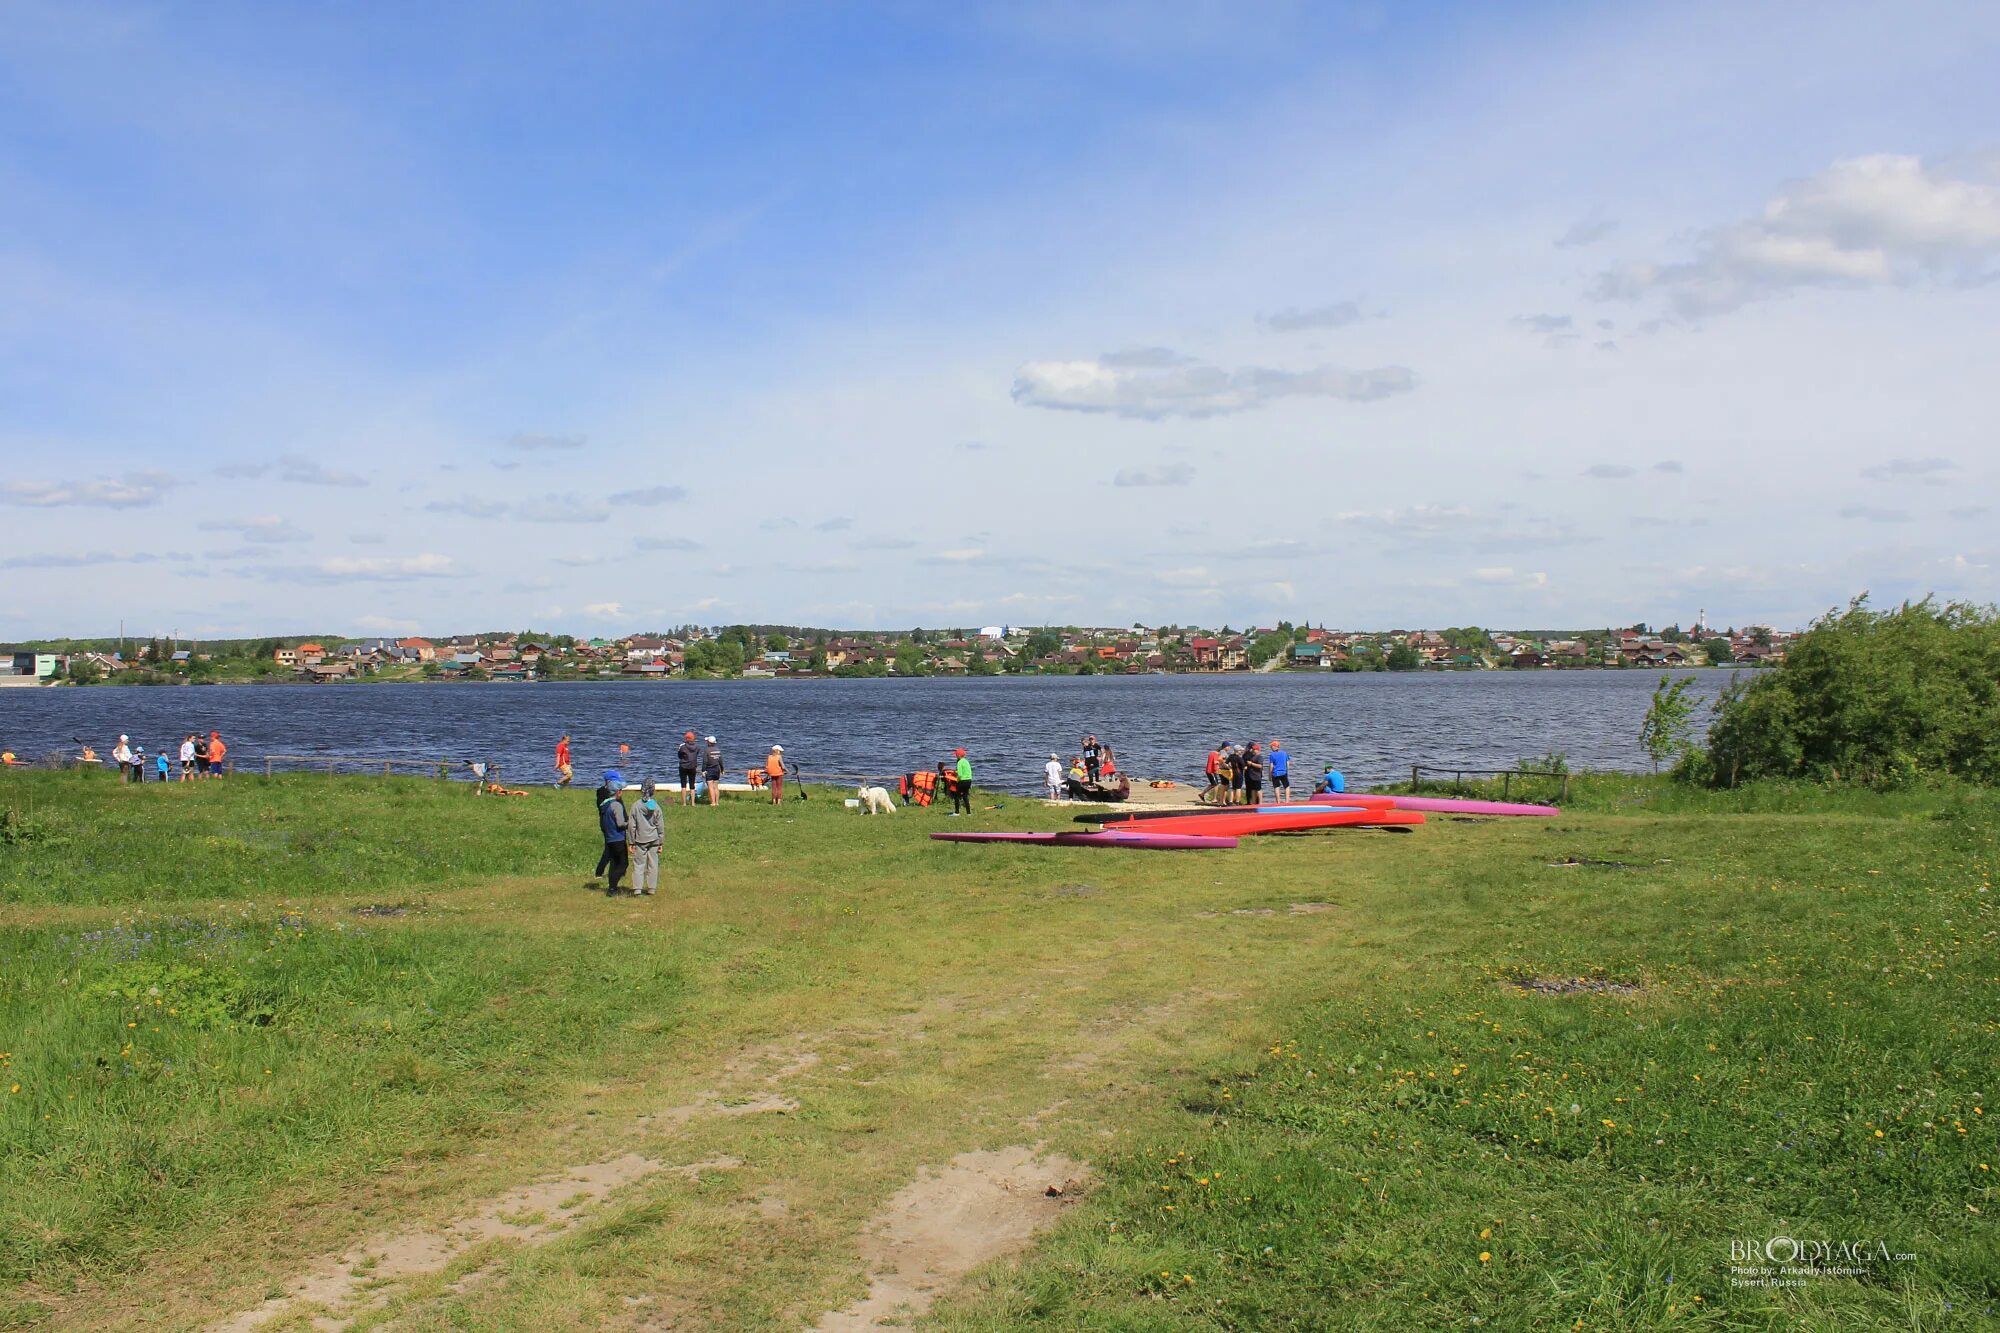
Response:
column 774, row 773
column 711, row 769
column 121, row 754
column 1052, row 775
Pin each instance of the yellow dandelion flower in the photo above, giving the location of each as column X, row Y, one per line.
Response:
column 1486, row 1256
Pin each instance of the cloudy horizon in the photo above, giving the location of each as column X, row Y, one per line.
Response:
column 1541, row 316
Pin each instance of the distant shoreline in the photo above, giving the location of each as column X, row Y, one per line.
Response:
column 800, row 678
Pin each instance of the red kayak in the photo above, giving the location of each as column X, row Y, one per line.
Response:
column 1146, row 818
column 1164, row 841
column 1248, row 821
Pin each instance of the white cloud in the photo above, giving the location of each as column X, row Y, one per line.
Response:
column 962, row 554
column 667, row 544
column 1506, row 576
column 1586, row 232
column 386, row 624
column 265, row 529
column 1545, row 323
column 367, row 569
column 1672, row 466
column 1909, row 467
column 1156, row 383
column 1164, row 474
column 534, row 442
column 650, row 496
column 134, row 490
column 605, row 610
column 82, row 560
column 305, row 472
column 1872, row 221
column 469, row 505
column 1336, row 315
column 1610, row 471
column 1435, row 527
column 1875, row 514
column 561, row 509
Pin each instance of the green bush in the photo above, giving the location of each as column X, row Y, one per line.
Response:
column 1878, row 697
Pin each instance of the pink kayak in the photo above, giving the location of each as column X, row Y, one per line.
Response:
column 1156, row 842
column 1449, row 805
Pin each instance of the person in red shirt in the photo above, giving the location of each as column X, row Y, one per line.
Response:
column 1214, row 771
column 563, row 765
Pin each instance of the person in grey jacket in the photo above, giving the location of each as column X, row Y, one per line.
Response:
column 647, row 830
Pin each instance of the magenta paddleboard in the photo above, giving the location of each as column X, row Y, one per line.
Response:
column 1155, row 842
column 1452, row 805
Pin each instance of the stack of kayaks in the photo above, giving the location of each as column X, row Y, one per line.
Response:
column 1134, row 840
column 1255, row 819
column 1180, row 830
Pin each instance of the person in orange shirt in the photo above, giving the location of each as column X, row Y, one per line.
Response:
column 216, row 751
column 774, row 772
column 563, row 766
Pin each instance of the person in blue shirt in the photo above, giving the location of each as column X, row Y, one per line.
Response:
column 1332, row 780
column 160, row 765
column 1281, row 771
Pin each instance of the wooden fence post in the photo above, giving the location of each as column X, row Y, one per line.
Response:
column 1414, row 779
column 1506, row 781
column 267, row 765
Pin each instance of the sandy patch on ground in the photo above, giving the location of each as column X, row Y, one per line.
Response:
column 980, row 1206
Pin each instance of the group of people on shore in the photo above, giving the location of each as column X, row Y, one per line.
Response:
column 1092, row 774
column 1238, row 773
column 196, row 757
column 700, row 766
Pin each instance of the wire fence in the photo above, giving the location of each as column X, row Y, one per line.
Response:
column 1506, row 776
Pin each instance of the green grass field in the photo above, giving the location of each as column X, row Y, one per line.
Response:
column 1505, row 1074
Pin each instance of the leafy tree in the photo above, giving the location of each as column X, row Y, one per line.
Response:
column 776, row 643
column 1042, row 644
column 817, row 662
column 1717, row 651
column 1402, row 657
column 1267, row 646
column 1666, row 732
column 1879, row 697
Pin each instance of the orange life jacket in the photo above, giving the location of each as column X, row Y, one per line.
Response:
column 775, row 766
column 922, row 785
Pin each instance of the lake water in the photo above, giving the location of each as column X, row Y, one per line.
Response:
column 1373, row 726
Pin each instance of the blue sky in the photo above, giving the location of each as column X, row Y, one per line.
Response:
column 376, row 317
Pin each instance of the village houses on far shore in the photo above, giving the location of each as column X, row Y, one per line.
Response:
column 771, row 651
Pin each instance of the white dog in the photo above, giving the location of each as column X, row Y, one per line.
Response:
column 875, row 800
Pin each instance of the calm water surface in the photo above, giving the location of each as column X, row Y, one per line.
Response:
column 1372, row 726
